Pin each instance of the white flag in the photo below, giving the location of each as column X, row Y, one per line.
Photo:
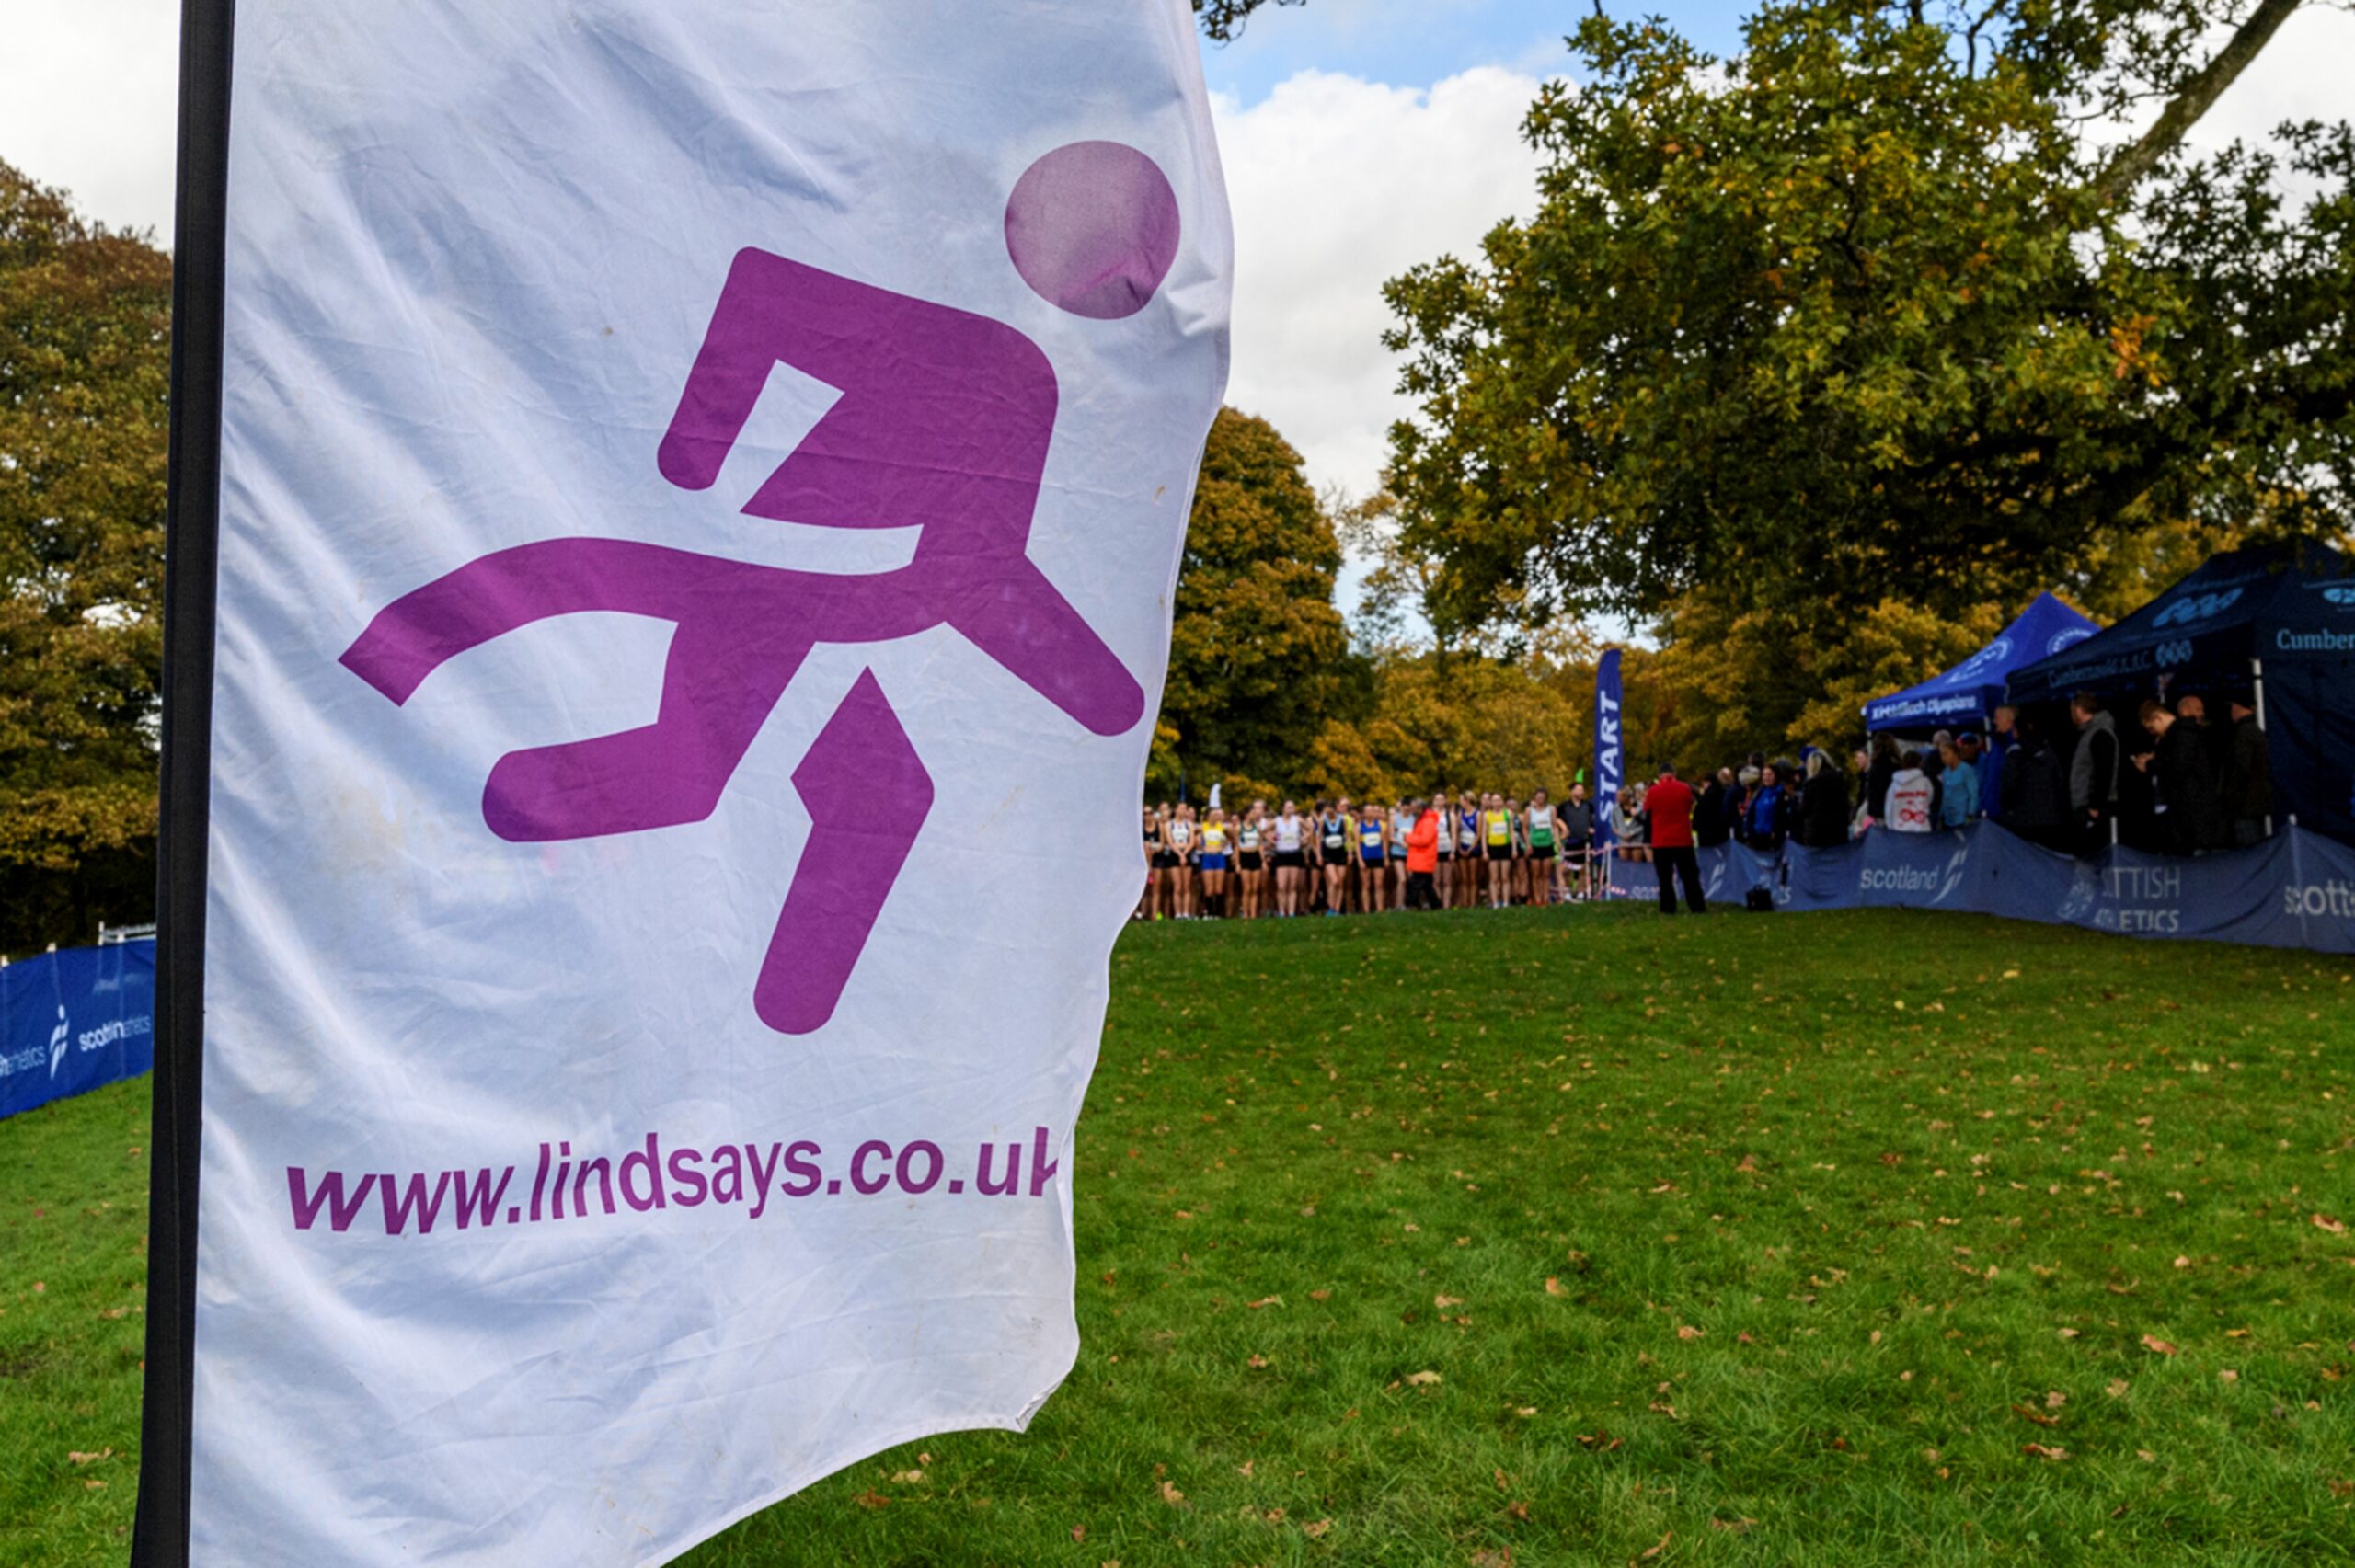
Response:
column 702, row 485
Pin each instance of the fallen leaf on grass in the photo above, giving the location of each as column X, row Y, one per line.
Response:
column 1655, row 1549
column 1445, row 1301
column 1265, row 1301
column 81, row 1458
column 2024, row 1413
column 1423, row 1378
column 1320, row 1295
column 2229, row 1376
column 2325, row 1222
column 2116, row 1389
column 1244, row 1468
column 2039, row 1452
column 1171, row 1496
column 1601, row 1442
column 1735, row 1526
column 908, row 1478
column 1317, row 1530
column 872, row 1499
column 1686, row 1331
column 1257, row 1362
column 2153, row 1343
column 1553, row 1287
column 2055, row 1399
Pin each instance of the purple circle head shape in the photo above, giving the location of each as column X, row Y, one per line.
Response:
column 1093, row 228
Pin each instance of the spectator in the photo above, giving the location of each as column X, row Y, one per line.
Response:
column 1863, row 819
column 1422, row 858
column 1669, row 805
column 1912, row 798
column 1634, row 828
column 2036, row 790
column 1823, row 804
column 1737, row 799
column 1578, row 836
column 2093, row 773
column 2190, row 814
column 1934, row 768
column 1876, row 779
column 2249, row 779
column 2002, row 733
column 1710, row 829
column 1934, row 755
column 1958, row 788
column 1765, row 819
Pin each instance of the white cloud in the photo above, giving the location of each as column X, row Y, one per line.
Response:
column 88, row 100
column 1338, row 185
column 2303, row 74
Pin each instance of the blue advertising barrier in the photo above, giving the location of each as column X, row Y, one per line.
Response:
column 2297, row 889
column 75, row 1021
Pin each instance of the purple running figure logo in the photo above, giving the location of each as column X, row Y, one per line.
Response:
column 943, row 422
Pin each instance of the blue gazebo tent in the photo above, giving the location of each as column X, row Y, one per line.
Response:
column 1965, row 696
column 2278, row 622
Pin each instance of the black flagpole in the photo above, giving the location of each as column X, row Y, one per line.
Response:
column 191, row 535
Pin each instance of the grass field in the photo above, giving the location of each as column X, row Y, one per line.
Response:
column 1569, row 1237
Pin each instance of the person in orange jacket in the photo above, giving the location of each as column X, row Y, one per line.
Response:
column 1422, row 858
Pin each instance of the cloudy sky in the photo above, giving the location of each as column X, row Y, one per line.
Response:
column 1360, row 137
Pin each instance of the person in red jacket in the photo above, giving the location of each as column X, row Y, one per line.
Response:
column 1422, row 858
column 1669, row 804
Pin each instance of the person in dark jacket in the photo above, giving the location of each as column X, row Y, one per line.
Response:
column 2093, row 773
column 2036, row 789
column 1736, row 800
column 2190, row 812
column 1823, row 804
column 2249, row 779
column 1876, row 779
column 1710, row 829
column 2002, row 733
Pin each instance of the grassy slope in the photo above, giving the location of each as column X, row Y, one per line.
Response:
column 1783, row 1220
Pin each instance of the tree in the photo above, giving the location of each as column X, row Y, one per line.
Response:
column 84, row 324
column 1873, row 308
column 1257, row 655
column 1222, row 20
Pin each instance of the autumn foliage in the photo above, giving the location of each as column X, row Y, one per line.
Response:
column 84, row 324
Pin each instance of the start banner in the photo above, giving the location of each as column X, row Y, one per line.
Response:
column 653, row 765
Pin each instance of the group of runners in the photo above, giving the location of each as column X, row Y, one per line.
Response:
column 1338, row 857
